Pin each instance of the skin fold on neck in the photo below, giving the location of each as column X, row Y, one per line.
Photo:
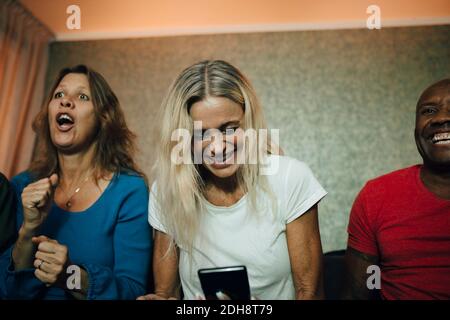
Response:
column 436, row 180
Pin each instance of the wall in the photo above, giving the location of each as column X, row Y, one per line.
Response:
column 101, row 19
column 344, row 100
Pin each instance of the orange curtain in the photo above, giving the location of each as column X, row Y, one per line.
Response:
column 23, row 63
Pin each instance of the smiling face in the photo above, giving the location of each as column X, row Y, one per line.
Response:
column 432, row 131
column 71, row 116
column 226, row 116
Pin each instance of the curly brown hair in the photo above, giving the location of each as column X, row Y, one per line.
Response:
column 115, row 143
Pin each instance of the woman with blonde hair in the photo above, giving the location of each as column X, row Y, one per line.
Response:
column 224, row 196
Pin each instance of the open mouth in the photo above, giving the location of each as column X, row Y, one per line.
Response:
column 65, row 121
column 441, row 138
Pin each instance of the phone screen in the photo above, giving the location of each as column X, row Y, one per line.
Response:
column 232, row 281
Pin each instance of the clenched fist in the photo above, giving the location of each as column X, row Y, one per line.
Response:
column 36, row 200
column 51, row 261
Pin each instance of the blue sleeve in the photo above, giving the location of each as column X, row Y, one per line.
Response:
column 18, row 284
column 132, row 251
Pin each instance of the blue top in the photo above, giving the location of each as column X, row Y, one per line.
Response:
column 111, row 240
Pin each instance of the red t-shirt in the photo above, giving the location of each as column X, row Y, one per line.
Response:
column 396, row 218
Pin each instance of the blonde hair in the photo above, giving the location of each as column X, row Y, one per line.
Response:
column 180, row 188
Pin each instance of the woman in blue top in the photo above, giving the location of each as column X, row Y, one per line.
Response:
column 82, row 213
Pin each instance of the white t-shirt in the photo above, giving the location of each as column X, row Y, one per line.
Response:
column 234, row 236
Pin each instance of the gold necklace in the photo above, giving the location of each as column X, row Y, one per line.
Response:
column 69, row 199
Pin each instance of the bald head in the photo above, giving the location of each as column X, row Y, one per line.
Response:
column 442, row 86
column 432, row 131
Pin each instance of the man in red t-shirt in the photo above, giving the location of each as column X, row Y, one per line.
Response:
column 401, row 221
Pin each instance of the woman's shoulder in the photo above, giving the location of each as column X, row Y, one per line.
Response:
column 21, row 180
column 130, row 179
column 282, row 165
column 23, row 176
column 288, row 173
column 127, row 187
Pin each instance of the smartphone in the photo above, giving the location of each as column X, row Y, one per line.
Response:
column 232, row 281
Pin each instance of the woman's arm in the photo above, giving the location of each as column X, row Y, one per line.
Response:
column 305, row 253
column 36, row 201
column 17, row 280
column 165, row 269
column 24, row 249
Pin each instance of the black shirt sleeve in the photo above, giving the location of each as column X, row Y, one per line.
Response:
column 7, row 214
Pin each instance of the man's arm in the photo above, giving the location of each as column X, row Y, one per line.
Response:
column 355, row 286
column 305, row 253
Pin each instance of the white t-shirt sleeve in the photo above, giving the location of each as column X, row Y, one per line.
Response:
column 302, row 190
column 154, row 212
